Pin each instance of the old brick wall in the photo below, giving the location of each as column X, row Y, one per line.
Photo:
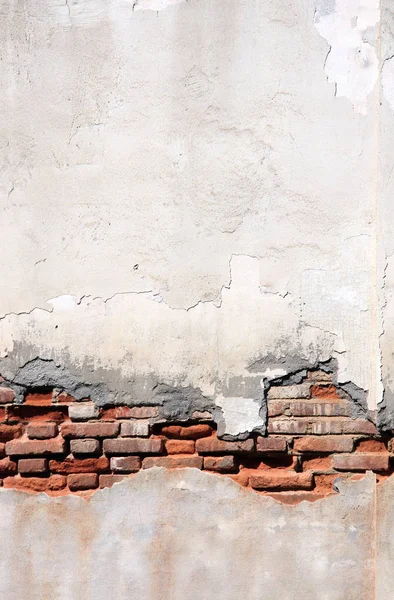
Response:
column 51, row 442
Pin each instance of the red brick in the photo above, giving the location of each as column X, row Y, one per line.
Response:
column 82, row 465
column 180, row 446
column 361, row 461
column 22, row 412
column 328, row 392
column 7, row 466
column 90, row 430
column 371, row 446
column 7, row 395
column 221, row 464
column 281, row 480
column 39, row 399
column 3, row 414
column 62, row 398
column 323, row 444
column 109, row 480
column 82, row 481
column 2, row 450
column 125, row 464
column 173, row 462
column 10, row 432
column 35, row 447
column 32, row 466
column 133, row 446
column 271, row 444
column 360, row 426
column 41, row 431
column 193, row 432
column 126, row 412
column 36, row 484
column 214, row 446
column 289, row 426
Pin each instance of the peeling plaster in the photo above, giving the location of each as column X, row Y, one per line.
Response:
column 352, row 63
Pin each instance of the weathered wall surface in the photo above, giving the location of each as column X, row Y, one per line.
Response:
column 164, row 534
column 196, row 270
column 190, row 190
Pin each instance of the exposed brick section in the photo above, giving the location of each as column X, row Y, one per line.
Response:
column 302, row 390
column 90, row 430
column 194, row 432
column 133, row 446
column 180, row 446
column 32, row 466
column 7, row 395
column 10, row 432
column 125, row 464
column 109, row 480
column 323, row 444
column 361, row 461
column 54, row 483
column 281, row 480
column 83, row 481
column 83, row 411
column 135, row 429
column 313, row 441
column 35, row 447
column 85, row 446
column 83, row 465
column 271, row 444
column 173, row 462
column 213, row 445
column 223, row 464
column 41, row 431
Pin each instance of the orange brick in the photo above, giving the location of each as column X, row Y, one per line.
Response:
column 193, row 432
column 36, row 484
column 83, row 465
column 180, row 446
column 281, row 480
column 317, row 464
column 325, row 391
column 39, row 399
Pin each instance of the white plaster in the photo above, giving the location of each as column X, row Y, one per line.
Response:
column 240, row 415
column 136, row 179
column 388, row 82
column 352, row 62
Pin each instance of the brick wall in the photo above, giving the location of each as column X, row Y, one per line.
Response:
column 54, row 444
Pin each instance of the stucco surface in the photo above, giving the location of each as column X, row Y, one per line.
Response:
column 189, row 188
column 170, row 534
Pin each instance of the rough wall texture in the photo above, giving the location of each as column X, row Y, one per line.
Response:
column 197, row 271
